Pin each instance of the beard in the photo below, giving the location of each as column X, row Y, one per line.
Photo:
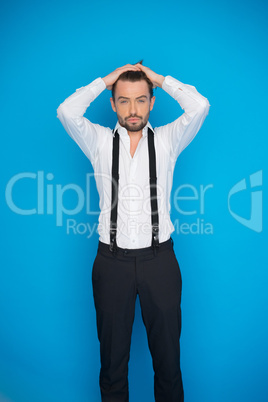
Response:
column 132, row 127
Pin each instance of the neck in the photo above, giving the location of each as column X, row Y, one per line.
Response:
column 135, row 135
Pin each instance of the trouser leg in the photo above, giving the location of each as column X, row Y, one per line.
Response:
column 114, row 294
column 160, row 298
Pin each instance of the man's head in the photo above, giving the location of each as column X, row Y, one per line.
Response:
column 132, row 99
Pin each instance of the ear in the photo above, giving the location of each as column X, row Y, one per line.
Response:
column 152, row 103
column 113, row 104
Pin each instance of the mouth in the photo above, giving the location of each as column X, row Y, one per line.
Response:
column 133, row 120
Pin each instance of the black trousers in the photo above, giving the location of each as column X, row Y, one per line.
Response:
column 117, row 279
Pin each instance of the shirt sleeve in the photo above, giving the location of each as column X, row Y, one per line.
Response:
column 87, row 135
column 182, row 131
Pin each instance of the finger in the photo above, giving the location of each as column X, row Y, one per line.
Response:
column 122, row 70
column 143, row 68
column 130, row 66
column 126, row 68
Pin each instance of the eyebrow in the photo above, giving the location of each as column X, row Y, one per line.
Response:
column 124, row 97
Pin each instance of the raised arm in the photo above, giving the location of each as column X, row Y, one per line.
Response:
column 182, row 131
column 196, row 107
column 71, row 115
column 71, row 112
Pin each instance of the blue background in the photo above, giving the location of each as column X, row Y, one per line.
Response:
column 49, row 349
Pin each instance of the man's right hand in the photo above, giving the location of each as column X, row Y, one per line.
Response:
column 112, row 77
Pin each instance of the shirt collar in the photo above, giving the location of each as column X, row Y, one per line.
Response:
column 123, row 131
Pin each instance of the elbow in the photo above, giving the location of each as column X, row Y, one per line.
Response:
column 62, row 112
column 59, row 112
column 204, row 107
column 207, row 106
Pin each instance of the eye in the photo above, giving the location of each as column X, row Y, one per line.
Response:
column 123, row 101
column 141, row 101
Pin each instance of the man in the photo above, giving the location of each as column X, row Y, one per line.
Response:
column 133, row 167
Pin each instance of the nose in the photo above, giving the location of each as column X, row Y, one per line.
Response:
column 132, row 109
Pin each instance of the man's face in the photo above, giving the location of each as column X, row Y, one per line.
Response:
column 132, row 104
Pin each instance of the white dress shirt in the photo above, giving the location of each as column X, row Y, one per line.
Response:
column 134, row 229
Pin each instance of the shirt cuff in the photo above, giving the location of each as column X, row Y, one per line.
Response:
column 96, row 86
column 171, row 85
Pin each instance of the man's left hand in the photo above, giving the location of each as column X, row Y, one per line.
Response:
column 156, row 79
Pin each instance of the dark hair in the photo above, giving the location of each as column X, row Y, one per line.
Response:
column 134, row 76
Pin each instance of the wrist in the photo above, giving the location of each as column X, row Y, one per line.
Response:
column 105, row 81
column 160, row 80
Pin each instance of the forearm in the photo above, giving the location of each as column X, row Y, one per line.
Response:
column 159, row 81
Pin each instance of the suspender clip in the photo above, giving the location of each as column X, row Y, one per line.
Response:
column 113, row 244
column 155, row 241
column 155, row 244
column 155, row 237
column 155, row 230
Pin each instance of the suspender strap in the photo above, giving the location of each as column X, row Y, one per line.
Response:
column 115, row 178
column 153, row 192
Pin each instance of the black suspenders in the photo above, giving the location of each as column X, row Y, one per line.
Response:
column 115, row 178
column 153, row 192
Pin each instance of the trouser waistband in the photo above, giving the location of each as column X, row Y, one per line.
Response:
column 105, row 248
